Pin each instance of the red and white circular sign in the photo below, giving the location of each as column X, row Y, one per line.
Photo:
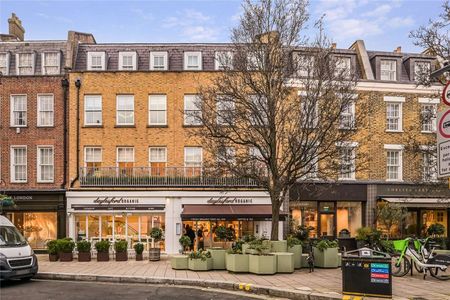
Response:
column 444, row 125
column 446, row 94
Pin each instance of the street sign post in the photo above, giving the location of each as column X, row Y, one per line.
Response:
column 443, row 144
column 446, row 94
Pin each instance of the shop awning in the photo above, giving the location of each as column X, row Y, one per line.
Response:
column 420, row 202
column 229, row 212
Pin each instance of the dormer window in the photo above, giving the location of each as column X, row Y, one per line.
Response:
column 192, row 61
column 51, row 63
column 343, row 66
column 388, row 69
column 96, row 61
column 421, row 69
column 25, row 63
column 304, row 65
column 127, row 61
column 224, row 60
column 4, row 63
column 158, row 61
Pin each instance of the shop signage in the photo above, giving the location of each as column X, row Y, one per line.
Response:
column 443, row 144
column 17, row 197
column 115, row 200
column 229, row 200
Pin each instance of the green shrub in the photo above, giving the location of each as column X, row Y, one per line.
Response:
column 436, row 229
column 325, row 244
column 248, row 238
column 185, row 241
column 139, row 248
column 368, row 235
column 121, row 246
column 84, row 246
column 259, row 245
column 65, row 245
column 201, row 254
column 236, row 248
column 292, row 241
column 52, row 247
column 156, row 234
column 102, row 246
column 302, row 232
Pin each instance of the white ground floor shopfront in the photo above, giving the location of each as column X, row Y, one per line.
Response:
column 130, row 215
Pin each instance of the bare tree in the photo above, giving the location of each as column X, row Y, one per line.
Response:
column 280, row 112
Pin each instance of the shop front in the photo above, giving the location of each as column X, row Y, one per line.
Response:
column 425, row 205
column 328, row 210
column 39, row 216
column 131, row 215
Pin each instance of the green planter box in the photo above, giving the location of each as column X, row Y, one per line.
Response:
column 285, row 262
column 297, row 251
column 179, row 262
column 262, row 264
column 218, row 258
column 200, row 265
column 237, row 263
column 278, row 246
column 327, row 258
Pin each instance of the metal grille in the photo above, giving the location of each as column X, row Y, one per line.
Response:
column 19, row 263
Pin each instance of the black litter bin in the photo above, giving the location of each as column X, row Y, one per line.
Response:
column 366, row 272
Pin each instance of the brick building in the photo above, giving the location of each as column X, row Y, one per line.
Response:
column 33, row 123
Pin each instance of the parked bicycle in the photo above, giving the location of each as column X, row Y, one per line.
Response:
column 425, row 261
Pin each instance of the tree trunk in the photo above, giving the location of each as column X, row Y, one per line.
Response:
column 275, row 221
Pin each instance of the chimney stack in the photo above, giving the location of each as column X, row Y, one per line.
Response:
column 398, row 50
column 333, row 46
column 15, row 27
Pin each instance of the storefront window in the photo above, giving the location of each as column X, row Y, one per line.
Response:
column 107, row 227
column 133, row 229
column 327, row 224
column 430, row 217
column 93, row 227
column 80, row 227
column 36, row 227
column 305, row 213
column 349, row 216
column 119, row 227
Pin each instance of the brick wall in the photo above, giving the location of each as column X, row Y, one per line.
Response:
column 31, row 136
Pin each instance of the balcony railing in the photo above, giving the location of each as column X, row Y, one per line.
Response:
column 159, row 177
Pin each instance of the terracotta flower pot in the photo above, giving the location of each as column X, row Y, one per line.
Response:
column 84, row 256
column 139, row 256
column 121, row 256
column 53, row 257
column 65, row 256
column 102, row 256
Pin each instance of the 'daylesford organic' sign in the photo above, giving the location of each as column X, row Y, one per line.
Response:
column 229, row 200
column 115, row 200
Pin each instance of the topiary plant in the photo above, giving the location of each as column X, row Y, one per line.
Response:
column 156, row 234
column 102, row 246
column 65, row 245
column 52, row 247
column 139, row 248
column 185, row 242
column 121, row 246
column 84, row 246
column 436, row 229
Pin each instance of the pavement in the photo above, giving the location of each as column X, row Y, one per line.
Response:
column 322, row 284
column 76, row 290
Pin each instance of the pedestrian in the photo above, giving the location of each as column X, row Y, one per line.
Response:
column 201, row 244
column 191, row 234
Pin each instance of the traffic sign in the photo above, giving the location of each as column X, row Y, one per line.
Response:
column 446, row 94
column 443, row 144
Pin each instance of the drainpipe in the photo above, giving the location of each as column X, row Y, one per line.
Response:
column 65, row 86
column 78, row 86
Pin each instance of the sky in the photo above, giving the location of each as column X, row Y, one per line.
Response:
column 383, row 25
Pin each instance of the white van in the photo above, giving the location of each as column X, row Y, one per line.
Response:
column 17, row 259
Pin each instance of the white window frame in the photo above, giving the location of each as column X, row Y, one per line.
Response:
column 93, row 111
column 343, row 63
column 12, row 164
column 392, row 100
column 43, row 66
column 300, row 61
column 186, row 61
column 399, row 149
column 431, row 102
column 417, row 69
column 133, row 55
column 38, row 164
column 117, row 154
column 223, row 55
column 102, row 55
column 390, row 71
column 7, row 61
column 128, row 110
column 154, row 54
column 201, row 156
column 18, row 66
column 12, row 119
column 186, row 116
column 353, row 146
column 39, row 99
column 157, row 161
column 351, row 114
column 426, row 152
column 157, row 110
column 225, row 104
column 92, row 161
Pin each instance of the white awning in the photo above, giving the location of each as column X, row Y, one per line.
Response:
column 420, row 202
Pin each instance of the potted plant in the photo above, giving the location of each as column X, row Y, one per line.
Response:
column 218, row 254
column 154, row 253
column 294, row 246
column 260, row 261
column 185, row 242
column 102, row 248
column 236, row 261
column 121, row 247
column 65, row 248
column 52, row 247
column 326, row 254
column 200, row 261
column 139, row 248
column 84, row 250
column 247, row 239
column 367, row 237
